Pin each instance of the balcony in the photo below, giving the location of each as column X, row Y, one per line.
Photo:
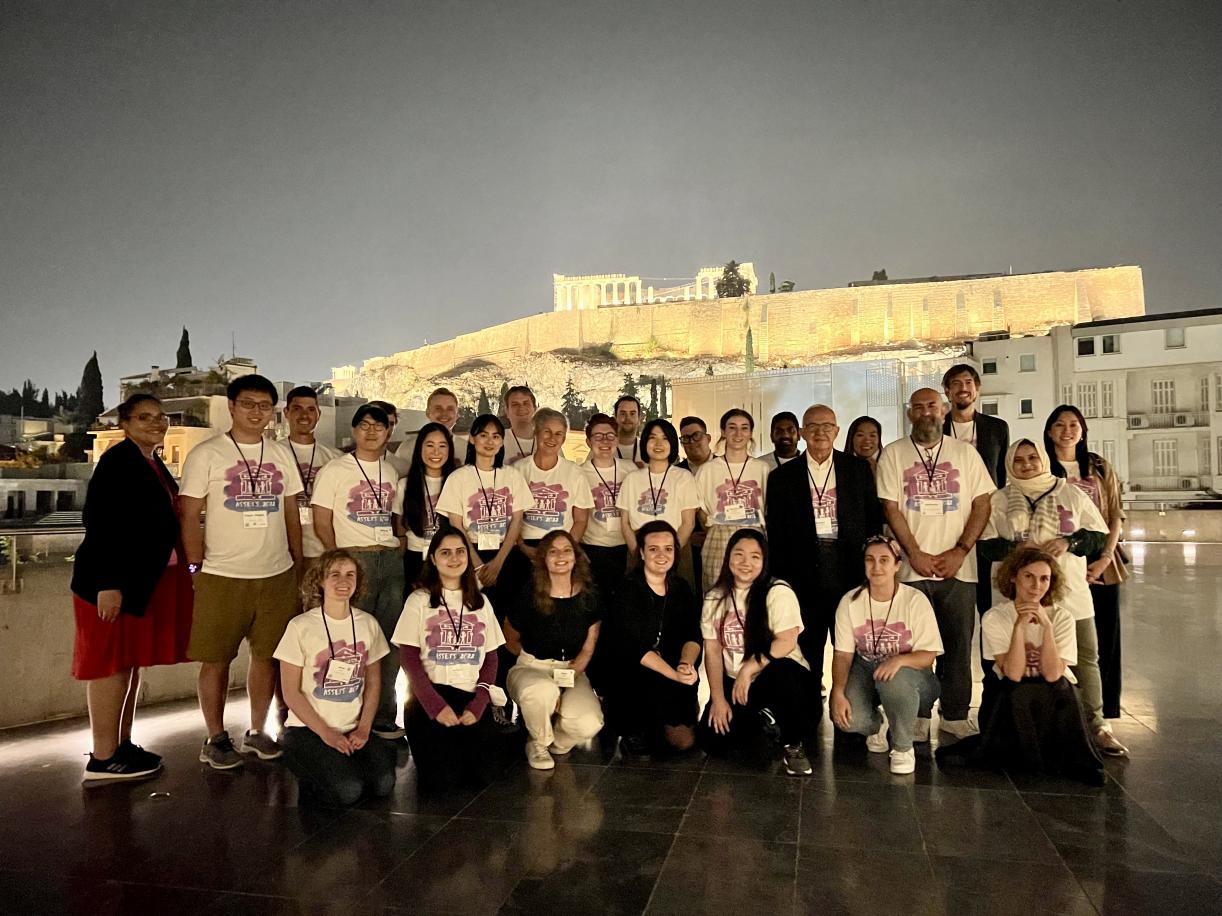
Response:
column 1180, row 419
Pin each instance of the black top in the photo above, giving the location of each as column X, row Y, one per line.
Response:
column 645, row 620
column 992, row 443
column 131, row 527
column 560, row 634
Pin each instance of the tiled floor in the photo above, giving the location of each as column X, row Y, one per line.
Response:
column 604, row 835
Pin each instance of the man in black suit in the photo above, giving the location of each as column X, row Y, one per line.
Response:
column 991, row 438
column 819, row 511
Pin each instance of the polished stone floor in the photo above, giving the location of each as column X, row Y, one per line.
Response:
column 601, row 835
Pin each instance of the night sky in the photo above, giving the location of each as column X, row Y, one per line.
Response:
column 333, row 181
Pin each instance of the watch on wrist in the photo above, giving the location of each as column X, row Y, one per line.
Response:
column 963, row 547
column 193, row 568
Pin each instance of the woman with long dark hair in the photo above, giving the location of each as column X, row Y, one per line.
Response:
column 554, row 627
column 432, row 462
column 759, row 681
column 865, row 440
column 659, row 490
column 1069, row 457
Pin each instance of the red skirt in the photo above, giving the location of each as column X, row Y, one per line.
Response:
column 158, row 638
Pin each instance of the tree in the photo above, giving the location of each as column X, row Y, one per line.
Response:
column 732, row 284
column 466, row 416
column 184, row 351
column 662, row 409
column 708, row 370
column 484, row 407
column 89, row 395
column 651, row 412
column 786, row 286
column 572, row 405
column 45, row 406
column 771, row 282
column 501, row 406
column 630, row 388
column 749, row 360
column 880, row 276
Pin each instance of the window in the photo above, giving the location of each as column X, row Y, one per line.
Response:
column 1111, row 343
column 1203, row 470
column 989, row 367
column 1026, row 362
column 1088, row 395
column 1107, row 399
column 1204, row 394
column 1162, row 393
column 1109, row 451
column 1166, row 458
column 988, row 408
column 1067, row 394
column 1218, row 391
column 1086, row 346
column 1173, row 338
column 1025, row 408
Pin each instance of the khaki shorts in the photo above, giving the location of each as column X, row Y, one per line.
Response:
column 229, row 610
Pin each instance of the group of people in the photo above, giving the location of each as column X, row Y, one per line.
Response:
column 518, row 589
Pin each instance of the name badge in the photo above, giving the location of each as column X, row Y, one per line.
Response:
column 339, row 671
column 487, row 540
column 611, row 513
column 254, row 519
column 384, row 535
column 306, row 514
column 564, row 677
column 736, row 513
column 931, row 507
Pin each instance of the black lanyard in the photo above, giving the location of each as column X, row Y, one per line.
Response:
column 254, row 475
column 956, row 434
column 377, row 494
column 814, row 486
column 484, row 491
column 730, row 471
column 870, row 617
column 931, row 466
column 331, row 645
column 634, row 448
column 456, row 627
column 655, row 495
column 662, row 616
column 307, row 479
column 613, row 489
column 522, row 453
column 742, row 626
column 1033, row 503
column 431, row 504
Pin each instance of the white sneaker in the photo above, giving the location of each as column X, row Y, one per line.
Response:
column 959, row 728
column 877, row 742
column 538, row 757
column 903, row 762
column 921, row 733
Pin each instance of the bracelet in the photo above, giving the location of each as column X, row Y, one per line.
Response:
column 963, row 547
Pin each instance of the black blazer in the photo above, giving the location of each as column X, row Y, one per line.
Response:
column 790, row 520
column 992, row 442
column 131, row 526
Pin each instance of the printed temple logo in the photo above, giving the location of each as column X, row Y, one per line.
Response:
column 490, row 510
column 444, row 648
column 256, row 489
column 1066, row 518
column 551, row 505
column 884, row 640
column 732, row 633
column 363, row 506
column 645, row 504
column 335, row 691
column 942, row 487
column 604, row 501
column 825, row 510
column 746, row 494
column 1033, row 660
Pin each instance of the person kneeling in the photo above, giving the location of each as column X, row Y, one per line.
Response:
column 328, row 668
column 656, row 651
column 758, row 678
column 886, row 642
column 555, row 624
column 448, row 637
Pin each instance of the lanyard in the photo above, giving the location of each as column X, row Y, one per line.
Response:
column 522, row 451
column 377, row 494
column 870, row 617
column 814, row 486
column 430, row 504
column 730, row 471
column 956, row 435
column 656, row 495
column 634, row 447
column 930, row 466
column 456, row 627
column 613, row 488
column 254, row 475
column 1033, row 503
column 484, row 491
column 331, row 645
column 307, row 479
column 741, row 625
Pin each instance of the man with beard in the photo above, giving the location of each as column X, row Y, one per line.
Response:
column 784, row 436
column 935, row 494
column 628, row 424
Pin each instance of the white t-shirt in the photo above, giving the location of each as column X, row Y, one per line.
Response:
column 732, row 493
column 310, row 459
column 1075, row 511
column 245, row 487
column 879, row 629
column 821, row 480
column 334, row 690
column 432, row 517
column 774, row 462
column 646, row 496
column 604, row 528
column 934, row 489
column 486, row 500
column 362, row 497
column 453, row 641
column 998, row 624
column 630, row 452
column 518, row 448
column 724, row 621
column 555, row 493
column 964, row 432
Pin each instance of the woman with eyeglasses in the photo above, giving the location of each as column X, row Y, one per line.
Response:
column 603, row 540
column 660, row 490
column 759, row 682
column 886, row 642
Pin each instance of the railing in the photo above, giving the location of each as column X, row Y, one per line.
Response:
column 1179, row 419
column 63, row 525
column 1178, row 484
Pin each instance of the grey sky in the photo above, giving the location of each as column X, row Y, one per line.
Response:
column 336, row 181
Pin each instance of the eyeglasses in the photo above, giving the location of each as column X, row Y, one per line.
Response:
column 370, row 426
column 248, row 404
column 819, row 428
column 692, row 439
column 151, row 418
column 603, row 437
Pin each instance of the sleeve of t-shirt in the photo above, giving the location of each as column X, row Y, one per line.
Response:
column 844, row 625
column 375, row 643
column 890, row 487
column 686, row 492
column 326, row 484
column 289, row 471
column 625, row 499
column 979, row 481
column 995, row 633
column 1088, row 516
column 400, row 490
column 1065, row 634
column 494, row 637
column 924, row 625
column 784, row 612
column 580, row 493
column 407, row 630
column 195, row 473
column 708, row 616
column 450, row 502
column 289, row 649
column 523, row 498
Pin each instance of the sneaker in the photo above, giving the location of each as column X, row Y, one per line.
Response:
column 262, row 745
column 877, row 743
column 1109, row 745
column 117, row 767
column 218, row 752
column 768, row 726
column 903, row 762
column 796, row 764
column 921, row 733
column 135, row 754
column 538, row 756
column 502, row 719
column 391, row 732
column 958, row 728
column 556, row 749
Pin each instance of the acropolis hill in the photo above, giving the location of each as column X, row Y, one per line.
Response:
column 598, row 344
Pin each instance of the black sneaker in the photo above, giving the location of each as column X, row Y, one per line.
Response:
column 502, row 719
column 390, row 731
column 135, row 754
column 116, row 768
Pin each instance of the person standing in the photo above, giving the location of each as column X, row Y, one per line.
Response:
column 432, row 462
column 784, row 435
column 301, row 412
column 819, row 512
column 659, row 490
column 627, row 412
column 131, row 592
column 865, row 440
column 520, row 406
column 245, row 556
column 935, row 493
column 354, row 509
column 697, row 451
column 441, row 407
column 603, row 540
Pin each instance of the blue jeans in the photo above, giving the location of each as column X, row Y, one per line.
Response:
column 907, row 696
column 954, row 606
column 382, row 596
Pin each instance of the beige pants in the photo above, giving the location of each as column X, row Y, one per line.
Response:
column 578, row 715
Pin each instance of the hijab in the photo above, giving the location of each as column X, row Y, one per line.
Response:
column 1030, row 506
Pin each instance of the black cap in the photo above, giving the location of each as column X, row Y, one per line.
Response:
column 375, row 413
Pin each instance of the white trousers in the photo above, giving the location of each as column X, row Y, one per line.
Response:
column 562, row 716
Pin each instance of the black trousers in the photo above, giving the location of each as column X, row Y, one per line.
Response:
column 640, row 701
column 338, row 779
column 1107, row 625
column 413, row 564
column 450, row 755
column 607, row 565
column 784, row 688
